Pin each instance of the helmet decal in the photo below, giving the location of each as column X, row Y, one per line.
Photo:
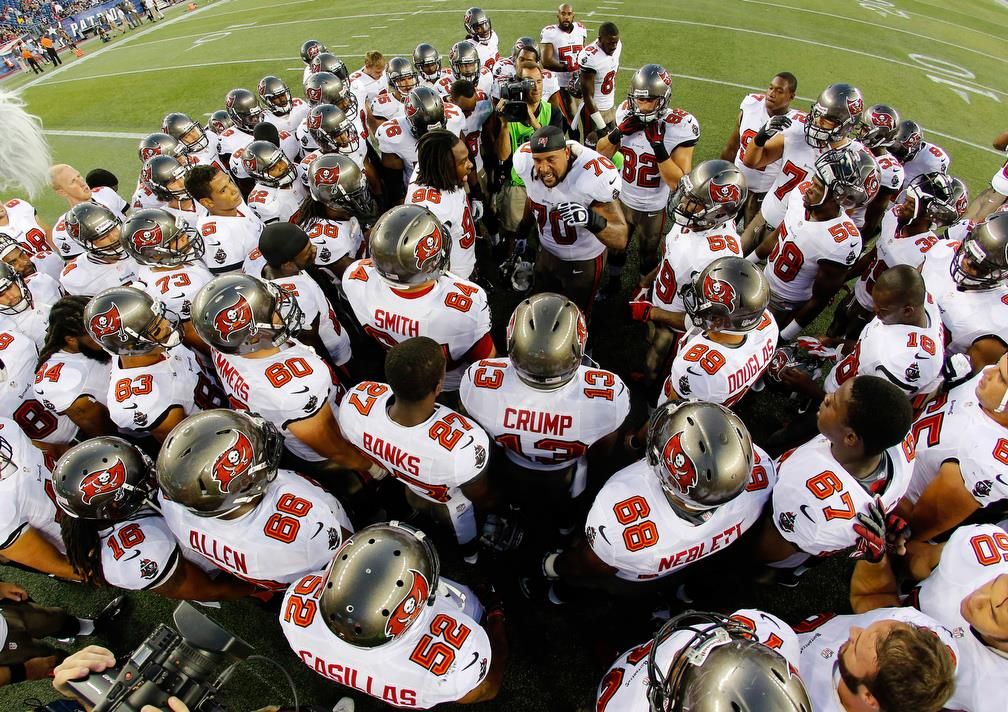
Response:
column 72, row 228
column 107, row 323
column 725, row 193
column 428, row 247
column 147, row 238
column 871, row 185
column 719, row 292
column 233, row 317
column 855, row 106
column 582, row 330
column 329, row 175
column 679, row 465
column 250, row 164
column 882, row 119
column 150, row 152
column 313, row 94
column 409, row 607
column 233, row 462
column 102, row 481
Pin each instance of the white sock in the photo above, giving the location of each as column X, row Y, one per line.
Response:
column 86, row 626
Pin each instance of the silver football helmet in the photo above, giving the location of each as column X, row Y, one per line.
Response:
column 701, row 453
column 160, row 173
column 243, row 108
column 218, row 461
column 840, row 106
column 546, row 340
column 269, row 165
column 850, row 174
column 310, row 48
column 427, row 61
column 337, row 182
column 409, row 246
column 322, row 88
column 275, row 95
column 650, row 82
column 877, row 126
column 160, row 144
column 402, row 75
column 943, row 198
column 729, row 294
column 465, row 61
column 908, row 141
column 477, row 24
column 156, row 237
column 424, row 111
column 241, row 314
column 183, row 129
column 981, row 260
column 709, row 195
column 128, row 322
column 328, row 62
column 104, row 478
column 90, row 223
column 9, row 279
column 220, row 121
column 332, row 130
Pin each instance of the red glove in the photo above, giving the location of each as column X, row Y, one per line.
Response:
column 640, row 310
column 654, row 132
column 640, row 293
column 630, row 125
column 870, row 528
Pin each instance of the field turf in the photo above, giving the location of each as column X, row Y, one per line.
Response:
column 940, row 63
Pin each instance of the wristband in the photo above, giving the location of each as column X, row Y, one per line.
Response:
column 596, row 223
column 615, row 136
column 753, row 257
column 17, row 672
column 661, row 153
column 789, row 332
column 598, row 121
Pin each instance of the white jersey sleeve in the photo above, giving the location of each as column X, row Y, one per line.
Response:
column 139, row 554
column 65, row 377
column 228, row 240
column 316, row 307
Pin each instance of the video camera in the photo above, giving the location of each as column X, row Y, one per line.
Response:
column 515, row 92
column 169, row 664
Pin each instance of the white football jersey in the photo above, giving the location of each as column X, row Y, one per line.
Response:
column 822, row 637
column 291, row 385
column 303, row 135
column 968, row 314
column 274, row 204
column 293, row 530
column 606, row 66
column 793, row 263
column 643, row 186
column 27, row 497
column 929, row 159
column 487, row 49
column 401, row 673
column 315, row 305
column 44, row 291
column 453, row 312
column 972, row 557
column 893, row 247
column 175, row 287
column 18, row 356
column 752, row 117
column 65, row 377
column 66, row 246
column 632, row 527
column 191, row 218
column 451, row 208
column 484, row 83
column 140, row 397
column 686, row 253
column 84, row 276
column 233, row 140
column 910, row 357
column 955, row 428
column 22, row 225
column 816, row 501
column 139, row 553
column 473, row 129
column 567, row 46
column 386, row 106
column 591, row 178
column 624, row 688
column 228, row 239
column 797, row 166
column 366, row 86
column 706, row 370
column 434, row 459
column 110, row 199
column 143, row 197
column 209, row 156
column 288, row 144
column 288, row 122
column 395, row 136
column 335, row 239
column 544, row 429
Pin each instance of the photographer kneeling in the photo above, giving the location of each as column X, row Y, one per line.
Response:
column 521, row 111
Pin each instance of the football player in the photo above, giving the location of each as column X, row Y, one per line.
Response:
column 25, row 303
column 335, row 133
column 278, row 194
column 341, row 203
column 560, row 45
column 875, row 131
column 74, row 371
column 156, row 144
column 112, row 534
column 464, row 63
column 371, row 619
column 27, row 263
column 656, row 142
column 230, row 230
column 809, row 254
column 104, row 263
column 165, row 177
column 747, row 662
column 965, row 589
column 403, row 290
column 250, row 323
column 370, row 79
column 326, row 61
column 439, row 184
column 18, row 361
column 887, row 659
column 917, row 155
column 398, row 138
column 282, row 110
column 573, row 201
column 29, row 519
column 327, row 88
column 702, row 209
column 439, row 455
column 962, row 445
column 155, row 382
column 525, row 51
column 908, row 232
column 480, row 32
column 797, row 144
column 310, row 49
column 733, row 335
column 69, row 184
column 427, row 62
column 243, row 108
column 170, row 268
column 970, row 283
column 701, row 486
column 225, row 498
column 598, row 65
column 476, row 109
column 20, row 220
column 545, row 408
column 861, row 462
column 201, row 144
column 390, row 103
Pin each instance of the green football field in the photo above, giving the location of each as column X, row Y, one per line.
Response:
column 941, row 63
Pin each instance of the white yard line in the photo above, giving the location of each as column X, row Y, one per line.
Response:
column 96, row 134
column 180, row 66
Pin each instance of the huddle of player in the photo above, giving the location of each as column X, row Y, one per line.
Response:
column 229, row 385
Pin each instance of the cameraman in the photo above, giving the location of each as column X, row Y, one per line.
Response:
column 515, row 132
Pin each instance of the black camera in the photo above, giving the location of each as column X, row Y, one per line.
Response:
column 515, row 93
column 167, row 664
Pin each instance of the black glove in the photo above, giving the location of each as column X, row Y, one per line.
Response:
column 770, row 129
column 879, row 533
column 576, row 215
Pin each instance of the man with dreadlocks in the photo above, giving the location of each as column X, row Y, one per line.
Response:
column 443, row 166
column 74, row 371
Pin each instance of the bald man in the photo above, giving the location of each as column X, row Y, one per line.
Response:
column 67, row 182
column 559, row 46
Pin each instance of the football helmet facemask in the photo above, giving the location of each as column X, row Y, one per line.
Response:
column 650, row 82
column 243, row 108
column 337, row 182
column 708, row 196
column 87, row 223
column 183, row 129
column 275, row 95
column 160, row 144
column 465, row 61
column 128, row 322
column 907, row 142
column 269, row 165
column 241, row 314
column 850, row 174
column 840, row 106
column 981, row 260
column 477, row 24
column 877, row 126
column 157, row 237
column 730, row 294
column 9, row 279
column 160, row 172
column 427, row 61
